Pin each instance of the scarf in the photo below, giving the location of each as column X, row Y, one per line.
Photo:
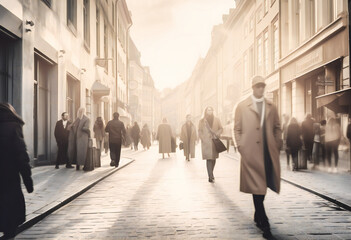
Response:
column 260, row 100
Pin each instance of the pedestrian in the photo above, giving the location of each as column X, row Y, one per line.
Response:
column 135, row 134
column 128, row 138
column 164, row 137
column 145, row 137
column 316, row 144
column 106, row 142
column 61, row 135
column 79, row 139
column 99, row 132
column 332, row 141
column 294, row 142
column 308, row 135
column 258, row 139
column 322, row 138
column 14, row 162
column 188, row 136
column 209, row 127
column 117, row 132
column 285, row 133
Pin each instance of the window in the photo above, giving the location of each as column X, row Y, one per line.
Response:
column 86, row 23
column 246, row 69
column 105, row 45
column 121, row 34
column 97, row 32
column 265, row 51
column 275, row 45
column 72, row 15
column 47, row 2
column 266, row 6
column 259, row 54
column 259, row 14
column 251, row 62
column 113, row 16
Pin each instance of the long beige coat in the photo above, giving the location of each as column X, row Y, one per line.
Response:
column 248, row 136
column 188, row 148
column 78, row 141
column 164, row 135
column 208, row 149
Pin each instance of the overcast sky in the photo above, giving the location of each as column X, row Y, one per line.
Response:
column 172, row 34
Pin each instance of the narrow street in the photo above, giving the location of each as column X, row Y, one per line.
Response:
column 172, row 199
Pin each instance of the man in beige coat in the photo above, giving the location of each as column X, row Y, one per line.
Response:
column 257, row 135
column 164, row 137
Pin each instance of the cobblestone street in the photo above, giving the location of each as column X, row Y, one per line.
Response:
column 171, row 198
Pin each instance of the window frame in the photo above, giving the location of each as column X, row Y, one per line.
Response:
column 71, row 12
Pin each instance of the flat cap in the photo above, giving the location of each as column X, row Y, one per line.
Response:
column 257, row 80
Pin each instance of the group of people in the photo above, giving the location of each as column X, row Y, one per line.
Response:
column 135, row 135
column 317, row 140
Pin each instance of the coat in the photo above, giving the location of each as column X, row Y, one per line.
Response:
column 164, row 136
column 14, row 163
column 116, row 130
column 188, row 141
column 135, row 133
column 207, row 146
column 293, row 140
column 99, row 132
column 249, row 140
column 61, row 135
column 78, row 142
column 145, row 138
column 307, row 131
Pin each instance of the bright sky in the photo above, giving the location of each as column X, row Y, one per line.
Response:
column 172, row 34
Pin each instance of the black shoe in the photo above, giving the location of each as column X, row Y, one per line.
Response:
column 77, row 167
column 69, row 166
column 267, row 233
column 57, row 167
column 210, row 180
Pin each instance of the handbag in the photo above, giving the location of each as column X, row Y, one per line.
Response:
column 219, row 146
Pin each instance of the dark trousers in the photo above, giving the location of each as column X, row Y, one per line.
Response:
column 309, row 148
column 332, row 148
column 210, row 164
column 295, row 159
column 62, row 155
column 115, row 151
column 260, row 213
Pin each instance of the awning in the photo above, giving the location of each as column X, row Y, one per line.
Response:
column 338, row 101
column 100, row 89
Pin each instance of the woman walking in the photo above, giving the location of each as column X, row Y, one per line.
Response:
column 209, row 127
column 99, row 132
column 145, row 137
column 332, row 141
column 293, row 141
column 188, row 136
column 164, row 137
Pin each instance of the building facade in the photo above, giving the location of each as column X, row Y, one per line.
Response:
column 59, row 55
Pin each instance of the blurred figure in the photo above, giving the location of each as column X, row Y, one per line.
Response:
column 99, row 132
column 348, row 135
column 316, row 144
column 61, row 135
column 332, row 141
column 14, row 162
column 117, row 132
column 307, row 135
column 322, row 140
column 293, row 141
column 135, row 135
column 128, row 138
column 285, row 133
column 79, row 139
column 145, row 137
column 153, row 136
column 188, row 136
column 209, row 127
column 164, row 137
column 258, row 136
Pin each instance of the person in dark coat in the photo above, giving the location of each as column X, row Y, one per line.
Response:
column 117, row 132
column 145, row 137
column 285, row 132
column 188, row 136
column 99, row 132
column 61, row 135
column 135, row 135
column 308, row 135
column 14, row 162
column 293, row 141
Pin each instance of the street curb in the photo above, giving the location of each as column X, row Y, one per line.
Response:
column 40, row 217
column 330, row 199
column 325, row 197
